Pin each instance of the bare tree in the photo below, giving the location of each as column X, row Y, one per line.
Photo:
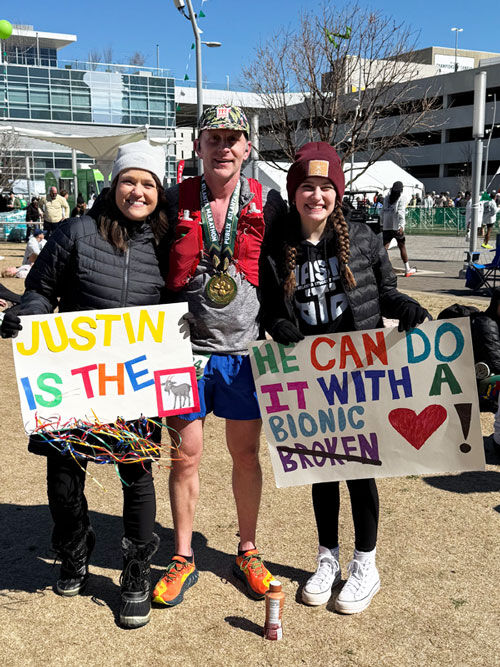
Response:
column 356, row 76
column 108, row 55
column 11, row 164
column 138, row 59
column 94, row 57
column 465, row 174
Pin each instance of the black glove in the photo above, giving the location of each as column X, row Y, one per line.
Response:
column 11, row 324
column 284, row 332
column 411, row 315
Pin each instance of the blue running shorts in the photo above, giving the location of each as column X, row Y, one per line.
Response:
column 227, row 389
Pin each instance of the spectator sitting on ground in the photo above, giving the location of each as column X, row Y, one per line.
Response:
column 16, row 271
column 34, row 246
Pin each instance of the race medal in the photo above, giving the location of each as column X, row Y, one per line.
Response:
column 221, row 289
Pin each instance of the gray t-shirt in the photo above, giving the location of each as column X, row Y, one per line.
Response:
column 228, row 329
column 216, row 329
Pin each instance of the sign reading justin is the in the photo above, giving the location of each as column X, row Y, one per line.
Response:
column 373, row 403
column 121, row 362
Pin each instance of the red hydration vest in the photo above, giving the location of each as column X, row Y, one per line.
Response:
column 187, row 248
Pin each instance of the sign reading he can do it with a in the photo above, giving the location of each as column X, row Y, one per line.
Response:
column 373, row 403
column 121, row 362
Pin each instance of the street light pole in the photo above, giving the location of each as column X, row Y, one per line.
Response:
column 477, row 134
column 180, row 4
column 456, row 31
column 485, row 176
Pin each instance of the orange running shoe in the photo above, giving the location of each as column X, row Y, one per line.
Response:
column 252, row 571
column 177, row 578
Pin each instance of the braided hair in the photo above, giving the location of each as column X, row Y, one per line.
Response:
column 336, row 223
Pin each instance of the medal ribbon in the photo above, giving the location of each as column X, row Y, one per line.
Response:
column 217, row 253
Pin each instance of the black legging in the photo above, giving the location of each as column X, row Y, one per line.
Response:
column 68, row 505
column 365, row 510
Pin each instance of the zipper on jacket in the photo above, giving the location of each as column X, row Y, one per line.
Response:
column 125, row 278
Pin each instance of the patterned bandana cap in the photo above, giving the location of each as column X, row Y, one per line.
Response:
column 224, row 117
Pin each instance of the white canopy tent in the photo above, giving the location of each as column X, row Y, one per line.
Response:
column 102, row 149
column 379, row 177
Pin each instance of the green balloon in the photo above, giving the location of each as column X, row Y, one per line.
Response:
column 5, row 29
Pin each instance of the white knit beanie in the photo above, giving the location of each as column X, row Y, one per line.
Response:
column 140, row 155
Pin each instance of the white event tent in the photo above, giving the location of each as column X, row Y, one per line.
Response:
column 379, row 177
column 102, row 149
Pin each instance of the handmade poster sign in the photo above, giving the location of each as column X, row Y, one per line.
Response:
column 376, row 403
column 104, row 365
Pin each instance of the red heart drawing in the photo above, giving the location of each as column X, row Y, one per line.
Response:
column 417, row 428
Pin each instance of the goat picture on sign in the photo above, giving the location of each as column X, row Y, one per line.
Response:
column 180, row 392
column 176, row 391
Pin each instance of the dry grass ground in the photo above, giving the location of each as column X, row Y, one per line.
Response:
column 438, row 555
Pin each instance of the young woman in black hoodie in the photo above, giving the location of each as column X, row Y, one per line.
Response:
column 320, row 274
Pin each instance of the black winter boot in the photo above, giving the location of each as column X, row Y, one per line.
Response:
column 135, row 608
column 75, row 557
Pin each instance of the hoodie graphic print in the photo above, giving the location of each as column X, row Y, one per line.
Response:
column 320, row 300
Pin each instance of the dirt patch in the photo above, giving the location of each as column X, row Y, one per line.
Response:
column 438, row 555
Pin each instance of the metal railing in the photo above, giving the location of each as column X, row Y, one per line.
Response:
column 436, row 221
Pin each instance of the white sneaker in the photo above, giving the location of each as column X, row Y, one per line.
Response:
column 411, row 272
column 318, row 588
column 358, row 590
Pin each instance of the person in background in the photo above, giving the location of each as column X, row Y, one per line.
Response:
column 447, row 200
column 393, row 224
column 33, row 214
column 490, row 211
column 80, row 208
column 468, row 217
column 429, row 200
column 91, row 200
column 55, row 209
column 319, row 275
column 11, row 201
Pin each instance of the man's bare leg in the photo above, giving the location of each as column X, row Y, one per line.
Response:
column 184, row 483
column 403, row 253
column 243, row 443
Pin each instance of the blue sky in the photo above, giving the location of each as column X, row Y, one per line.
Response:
column 129, row 26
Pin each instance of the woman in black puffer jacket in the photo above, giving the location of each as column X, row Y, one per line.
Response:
column 104, row 260
column 319, row 274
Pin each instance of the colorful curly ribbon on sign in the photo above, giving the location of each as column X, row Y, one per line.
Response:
column 120, row 442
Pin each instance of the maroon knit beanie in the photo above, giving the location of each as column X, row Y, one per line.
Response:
column 316, row 158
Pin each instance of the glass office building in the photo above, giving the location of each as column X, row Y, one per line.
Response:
column 53, row 94
column 71, row 97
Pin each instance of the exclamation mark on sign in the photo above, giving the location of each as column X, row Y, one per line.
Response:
column 464, row 411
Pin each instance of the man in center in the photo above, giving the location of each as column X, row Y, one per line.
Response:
column 219, row 228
